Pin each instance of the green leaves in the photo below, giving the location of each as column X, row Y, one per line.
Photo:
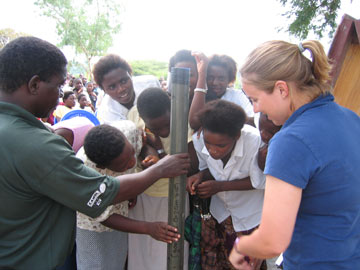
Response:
column 150, row 67
column 8, row 34
column 86, row 25
column 317, row 16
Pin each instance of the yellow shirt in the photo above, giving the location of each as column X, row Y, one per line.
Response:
column 161, row 187
column 60, row 111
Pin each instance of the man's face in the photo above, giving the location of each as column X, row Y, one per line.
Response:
column 48, row 94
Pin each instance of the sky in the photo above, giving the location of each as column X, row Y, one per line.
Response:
column 156, row 29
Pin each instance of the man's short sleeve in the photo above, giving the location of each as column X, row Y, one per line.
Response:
column 64, row 178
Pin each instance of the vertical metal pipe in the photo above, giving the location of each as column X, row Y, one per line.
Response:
column 179, row 89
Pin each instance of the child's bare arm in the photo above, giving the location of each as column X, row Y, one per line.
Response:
column 160, row 231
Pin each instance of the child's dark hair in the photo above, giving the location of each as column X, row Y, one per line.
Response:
column 223, row 117
column 153, row 102
column 181, row 56
column 67, row 94
column 25, row 57
column 104, row 143
column 225, row 62
column 80, row 96
column 106, row 64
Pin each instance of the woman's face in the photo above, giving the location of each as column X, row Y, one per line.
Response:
column 118, row 85
column 217, row 80
column 274, row 105
column 193, row 74
column 219, row 145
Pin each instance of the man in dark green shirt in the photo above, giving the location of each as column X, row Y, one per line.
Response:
column 42, row 183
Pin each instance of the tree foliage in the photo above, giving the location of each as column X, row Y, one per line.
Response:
column 317, row 16
column 149, row 67
column 8, row 34
column 86, row 25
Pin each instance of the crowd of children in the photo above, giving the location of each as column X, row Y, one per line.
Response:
column 226, row 146
column 258, row 183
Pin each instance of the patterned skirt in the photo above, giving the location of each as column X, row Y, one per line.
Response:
column 217, row 241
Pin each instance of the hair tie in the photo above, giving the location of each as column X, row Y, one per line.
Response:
column 301, row 48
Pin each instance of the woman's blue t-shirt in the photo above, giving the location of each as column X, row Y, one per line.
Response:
column 318, row 150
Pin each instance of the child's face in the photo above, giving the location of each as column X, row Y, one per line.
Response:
column 89, row 87
column 70, row 101
column 118, row 85
column 159, row 126
column 125, row 161
column 219, row 145
column 267, row 128
column 83, row 101
column 78, row 84
column 217, row 80
column 193, row 74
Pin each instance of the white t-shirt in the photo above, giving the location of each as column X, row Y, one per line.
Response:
column 245, row 207
column 110, row 110
column 238, row 97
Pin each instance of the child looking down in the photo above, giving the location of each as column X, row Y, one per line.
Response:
column 102, row 242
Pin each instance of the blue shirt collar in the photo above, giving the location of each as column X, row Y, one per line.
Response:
column 319, row 101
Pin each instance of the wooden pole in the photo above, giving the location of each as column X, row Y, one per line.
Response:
column 179, row 89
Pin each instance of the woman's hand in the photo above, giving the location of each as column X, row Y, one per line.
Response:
column 161, row 231
column 242, row 262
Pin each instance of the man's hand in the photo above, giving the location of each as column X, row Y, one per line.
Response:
column 161, row 231
column 173, row 165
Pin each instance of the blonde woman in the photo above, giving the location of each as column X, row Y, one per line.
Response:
column 311, row 206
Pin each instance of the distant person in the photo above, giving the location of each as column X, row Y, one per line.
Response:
column 92, row 95
column 43, row 184
column 69, row 103
column 85, row 104
column 312, row 205
column 78, row 87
